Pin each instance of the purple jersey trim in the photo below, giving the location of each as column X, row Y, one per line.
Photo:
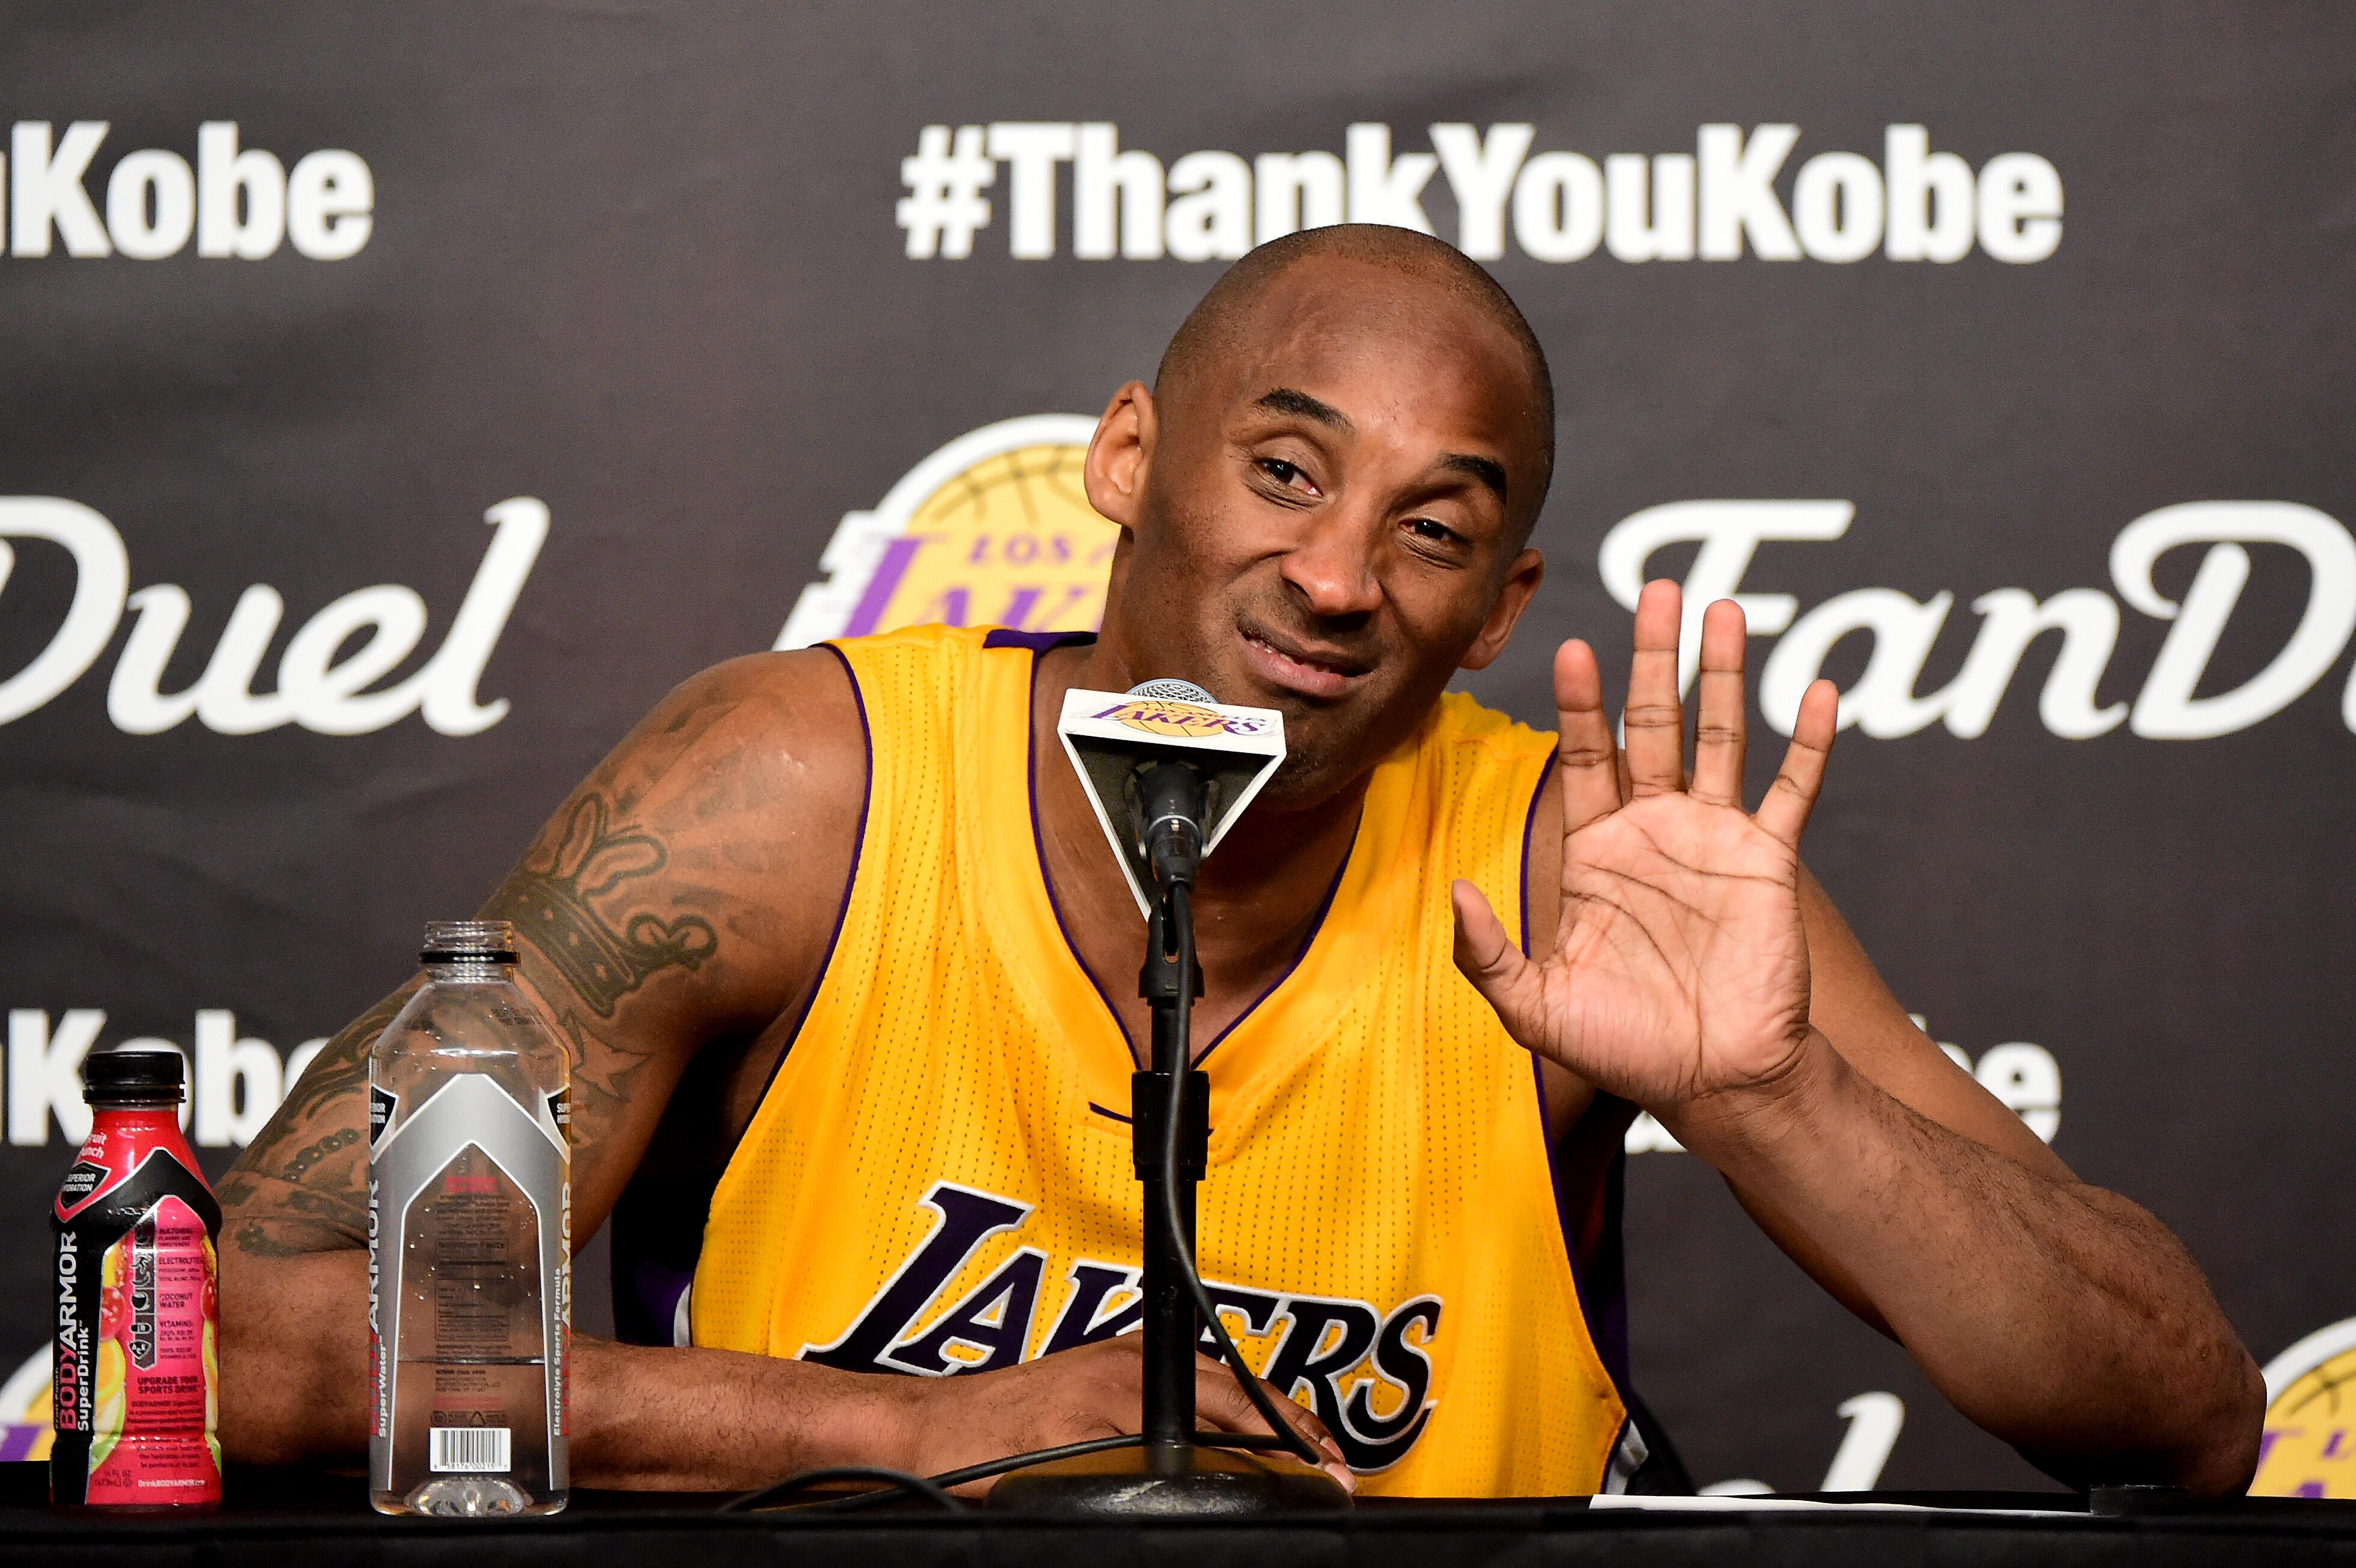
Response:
column 651, row 1309
column 1038, row 844
column 1603, row 1281
column 1537, row 1068
column 1315, row 927
column 1053, row 639
column 1038, row 642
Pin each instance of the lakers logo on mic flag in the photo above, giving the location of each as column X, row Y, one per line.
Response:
column 1166, row 718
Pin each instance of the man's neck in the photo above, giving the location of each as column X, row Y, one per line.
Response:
column 1260, row 896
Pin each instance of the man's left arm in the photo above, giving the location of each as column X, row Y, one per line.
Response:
column 1699, row 971
column 2058, row 1315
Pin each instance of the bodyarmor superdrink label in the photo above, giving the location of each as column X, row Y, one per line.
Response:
column 469, row 1255
column 135, row 1362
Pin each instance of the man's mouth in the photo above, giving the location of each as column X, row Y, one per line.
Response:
column 1311, row 672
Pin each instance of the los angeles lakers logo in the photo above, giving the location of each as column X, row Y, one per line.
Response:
column 994, row 529
column 1156, row 716
column 2309, row 1446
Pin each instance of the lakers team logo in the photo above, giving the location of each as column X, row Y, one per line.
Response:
column 1158, row 716
column 959, row 1303
column 2309, row 1446
column 994, row 529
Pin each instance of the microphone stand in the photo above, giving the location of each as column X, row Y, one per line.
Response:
column 1170, row 982
column 1170, row 1473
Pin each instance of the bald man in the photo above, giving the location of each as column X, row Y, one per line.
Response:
column 870, row 1108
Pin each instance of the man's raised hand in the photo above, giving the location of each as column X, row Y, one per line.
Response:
column 1679, row 969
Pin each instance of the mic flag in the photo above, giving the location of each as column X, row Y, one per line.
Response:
column 1112, row 735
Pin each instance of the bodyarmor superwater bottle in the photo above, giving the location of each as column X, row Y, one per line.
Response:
column 135, row 1359
column 470, row 1225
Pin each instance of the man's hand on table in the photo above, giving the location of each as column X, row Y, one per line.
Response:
column 1092, row 1392
column 654, row 1418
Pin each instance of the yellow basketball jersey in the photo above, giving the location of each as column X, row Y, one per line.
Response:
column 938, row 1179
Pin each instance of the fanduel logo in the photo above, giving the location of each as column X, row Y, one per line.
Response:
column 235, row 1085
column 1726, row 198
column 321, row 686
column 1883, row 702
column 239, row 203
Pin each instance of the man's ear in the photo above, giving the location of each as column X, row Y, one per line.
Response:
column 1521, row 585
column 1119, row 454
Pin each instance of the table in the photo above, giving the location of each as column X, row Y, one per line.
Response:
column 291, row 1517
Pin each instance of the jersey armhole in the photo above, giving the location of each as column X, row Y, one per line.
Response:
column 850, row 883
column 1529, row 831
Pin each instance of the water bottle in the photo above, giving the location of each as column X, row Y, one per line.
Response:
column 135, row 1360
column 470, row 1222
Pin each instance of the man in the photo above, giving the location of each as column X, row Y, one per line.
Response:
column 843, row 961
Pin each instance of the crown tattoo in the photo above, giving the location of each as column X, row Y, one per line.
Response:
column 557, row 907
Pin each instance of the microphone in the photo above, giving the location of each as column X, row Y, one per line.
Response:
column 1167, row 768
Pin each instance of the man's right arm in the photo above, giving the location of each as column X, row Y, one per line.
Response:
column 684, row 892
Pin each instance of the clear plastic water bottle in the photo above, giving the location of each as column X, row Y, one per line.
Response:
column 470, row 1220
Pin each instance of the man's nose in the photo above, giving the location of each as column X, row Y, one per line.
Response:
column 1333, row 564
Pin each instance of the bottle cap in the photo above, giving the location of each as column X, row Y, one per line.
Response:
column 134, row 1075
column 468, row 941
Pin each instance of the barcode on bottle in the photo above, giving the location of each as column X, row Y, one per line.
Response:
column 474, row 1448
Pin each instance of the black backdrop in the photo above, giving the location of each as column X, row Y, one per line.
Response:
column 644, row 267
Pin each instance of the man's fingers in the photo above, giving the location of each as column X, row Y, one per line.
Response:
column 1655, row 715
column 1221, row 1406
column 1586, row 753
column 1784, row 811
column 1225, row 1408
column 1487, row 957
column 1719, row 732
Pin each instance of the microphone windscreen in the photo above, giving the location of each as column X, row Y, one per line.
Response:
column 1169, row 688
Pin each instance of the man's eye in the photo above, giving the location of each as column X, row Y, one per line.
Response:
column 1425, row 528
column 1282, row 472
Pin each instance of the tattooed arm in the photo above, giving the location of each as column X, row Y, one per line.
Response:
column 684, row 892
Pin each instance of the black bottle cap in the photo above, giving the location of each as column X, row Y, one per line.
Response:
column 132, row 1074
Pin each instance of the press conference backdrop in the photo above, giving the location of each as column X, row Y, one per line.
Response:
column 398, row 400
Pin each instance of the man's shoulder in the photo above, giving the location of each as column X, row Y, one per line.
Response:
column 785, row 720
column 810, row 711
column 800, row 690
column 937, row 655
